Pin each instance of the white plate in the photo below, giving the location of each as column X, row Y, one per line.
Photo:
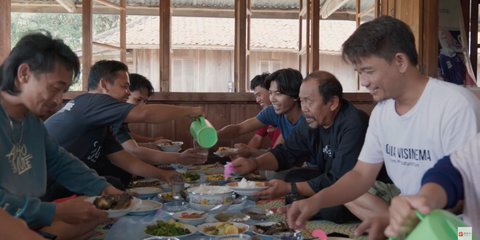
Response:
column 145, row 208
column 192, row 221
column 238, row 225
column 266, row 224
column 145, row 192
column 191, row 228
column 225, row 151
column 246, row 191
column 134, row 203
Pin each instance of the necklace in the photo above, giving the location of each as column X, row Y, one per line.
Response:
column 12, row 128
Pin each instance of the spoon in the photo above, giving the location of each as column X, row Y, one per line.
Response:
column 212, row 209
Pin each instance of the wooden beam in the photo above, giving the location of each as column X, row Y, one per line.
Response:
column 69, row 5
column 165, row 20
column 240, row 63
column 110, row 4
column 103, row 45
column 87, row 42
column 5, row 20
column 123, row 31
column 331, row 6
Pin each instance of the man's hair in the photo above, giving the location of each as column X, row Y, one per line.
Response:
column 288, row 81
column 382, row 37
column 41, row 52
column 328, row 85
column 139, row 82
column 259, row 80
column 104, row 69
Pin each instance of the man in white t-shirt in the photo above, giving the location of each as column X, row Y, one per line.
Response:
column 417, row 121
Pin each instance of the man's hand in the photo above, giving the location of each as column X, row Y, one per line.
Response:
column 195, row 112
column 111, row 190
column 169, row 175
column 192, row 156
column 301, row 211
column 375, row 227
column 402, row 214
column 244, row 165
column 276, row 188
column 78, row 211
column 243, row 150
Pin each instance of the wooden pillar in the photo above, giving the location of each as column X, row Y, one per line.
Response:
column 165, row 45
column 87, row 42
column 315, row 30
column 123, row 31
column 240, row 62
column 429, row 38
column 5, row 20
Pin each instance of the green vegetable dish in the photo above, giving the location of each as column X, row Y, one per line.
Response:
column 170, row 228
column 191, row 177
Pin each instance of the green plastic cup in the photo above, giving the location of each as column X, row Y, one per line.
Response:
column 438, row 225
column 203, row 132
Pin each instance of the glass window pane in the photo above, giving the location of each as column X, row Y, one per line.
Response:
column 202, row 42
column 65, row 26
column 332, row 35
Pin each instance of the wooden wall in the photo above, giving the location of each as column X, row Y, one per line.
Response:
column 221, row 109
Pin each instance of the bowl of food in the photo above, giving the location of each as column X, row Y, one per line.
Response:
column 169, row 229
column 235, row 237
column 204, row 197
column 258, row 214
column 247, row 188
column 175, row 206
column 144, row 192
column 115, row 205
column 191, row 217
column 174, row 146
column 269, row 229
column 145, row 208
column 191, row 177
column 222, row 228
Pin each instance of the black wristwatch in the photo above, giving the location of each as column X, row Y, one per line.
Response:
column 293, row 188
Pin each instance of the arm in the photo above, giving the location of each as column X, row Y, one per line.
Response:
column 157, row 113
column 362, row 176
column 12, row 228
column 256, row 141
column 402, row 213
column 144, row 139
column 132, row 165
column 156, row 157
column 235, row 130
column 266, row 161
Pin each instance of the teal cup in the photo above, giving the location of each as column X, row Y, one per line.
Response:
column 203, row 132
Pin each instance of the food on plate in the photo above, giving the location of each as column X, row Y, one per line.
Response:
column 191, row 215
column 190, row 177
column 225, row 151
column 244, row 183
column 232, row 217
column 215, row 177
column 258, row 213
column 144, row 183
column 113, row 202
column 271, row 229
column 223, row 229
column 170, row 228
column 166, row 196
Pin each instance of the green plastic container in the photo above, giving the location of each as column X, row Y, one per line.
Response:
column 203, row 132
column 438, row 225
